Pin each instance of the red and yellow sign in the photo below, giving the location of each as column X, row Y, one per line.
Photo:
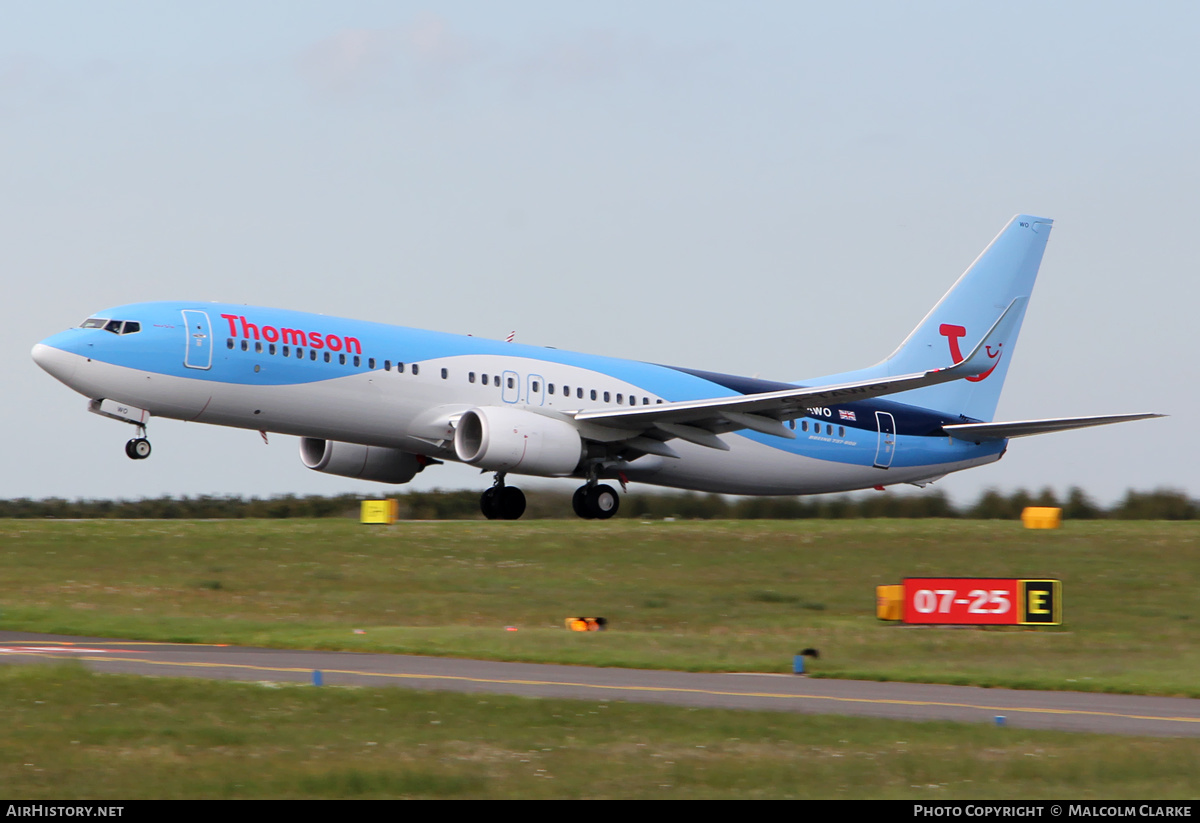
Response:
column 984, row 601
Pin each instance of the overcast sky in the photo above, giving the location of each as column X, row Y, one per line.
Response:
column 780, row 189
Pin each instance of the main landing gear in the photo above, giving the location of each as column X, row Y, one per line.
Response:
column 595, row 502
column 592, row 501
column 502, row 502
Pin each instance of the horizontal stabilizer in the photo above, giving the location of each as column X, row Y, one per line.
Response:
column 1024, row 428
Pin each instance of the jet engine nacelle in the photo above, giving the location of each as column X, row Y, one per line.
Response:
column 500, row 438
column 378, row 463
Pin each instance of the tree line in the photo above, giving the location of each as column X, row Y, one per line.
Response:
column 1159, row 504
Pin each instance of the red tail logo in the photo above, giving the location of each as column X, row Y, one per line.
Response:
column 952, row 334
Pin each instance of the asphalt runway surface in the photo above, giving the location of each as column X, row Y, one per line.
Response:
column 1066, row 711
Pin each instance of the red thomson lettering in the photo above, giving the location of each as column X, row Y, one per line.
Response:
column 294, row 337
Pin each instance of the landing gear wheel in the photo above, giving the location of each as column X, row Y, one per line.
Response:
column 579, row 503
column 489, row 503
column 512, row 502
column 138, row 449
column 603, row 501
column 596, row 502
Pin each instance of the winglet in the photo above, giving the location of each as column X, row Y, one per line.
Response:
column 980, row 359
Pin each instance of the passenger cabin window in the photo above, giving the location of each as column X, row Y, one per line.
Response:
column 399, row 368
column 445, row 373
column 370, row 362
column 416, row 369
column 229, row 342
column 471, row 377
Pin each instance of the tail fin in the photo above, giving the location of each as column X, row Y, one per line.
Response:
column 1004, row 272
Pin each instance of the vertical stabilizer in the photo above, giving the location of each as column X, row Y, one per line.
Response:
column 1004, row 272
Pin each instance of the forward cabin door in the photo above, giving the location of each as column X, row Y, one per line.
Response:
column 198, row 354
column 886, row 449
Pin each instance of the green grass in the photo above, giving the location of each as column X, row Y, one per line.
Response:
column 70, row 734
column 713, row 596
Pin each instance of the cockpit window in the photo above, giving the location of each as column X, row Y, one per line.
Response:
column 114, row 326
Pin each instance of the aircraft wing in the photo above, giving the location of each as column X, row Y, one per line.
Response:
column 1024, row 428
column 699, row 421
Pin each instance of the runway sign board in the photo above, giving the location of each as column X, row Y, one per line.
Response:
column 982, row 601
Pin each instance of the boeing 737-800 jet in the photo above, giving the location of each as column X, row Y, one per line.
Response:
column 381, row 403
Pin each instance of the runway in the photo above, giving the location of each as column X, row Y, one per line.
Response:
column 1066, row 711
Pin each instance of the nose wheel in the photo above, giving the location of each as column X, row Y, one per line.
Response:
column 138, row 448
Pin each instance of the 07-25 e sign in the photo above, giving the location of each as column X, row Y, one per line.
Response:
column 987, row 601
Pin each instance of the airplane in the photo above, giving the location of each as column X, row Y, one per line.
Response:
column 382, row 403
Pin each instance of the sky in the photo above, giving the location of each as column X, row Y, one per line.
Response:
column 780, row 189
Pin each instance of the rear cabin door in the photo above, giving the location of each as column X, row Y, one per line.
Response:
column 886, row 449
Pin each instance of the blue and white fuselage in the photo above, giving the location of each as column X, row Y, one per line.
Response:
column 382, row 402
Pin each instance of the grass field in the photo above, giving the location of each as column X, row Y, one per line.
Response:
column 716, row 596
column 69, row 734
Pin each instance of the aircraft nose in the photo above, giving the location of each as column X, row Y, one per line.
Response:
column 54, row 361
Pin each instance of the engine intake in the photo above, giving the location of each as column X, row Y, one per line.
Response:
column 499, row 438
column 377, row 463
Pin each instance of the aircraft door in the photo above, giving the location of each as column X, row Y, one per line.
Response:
column 536, row 393
column 198, row 354
column 510, row 391
column 886, row 450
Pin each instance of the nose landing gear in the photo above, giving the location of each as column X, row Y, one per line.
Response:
column 138, row 448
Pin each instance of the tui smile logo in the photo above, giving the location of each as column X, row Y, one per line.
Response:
column 953, row 333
